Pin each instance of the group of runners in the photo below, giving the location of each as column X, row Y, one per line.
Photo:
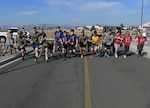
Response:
column 66, row 43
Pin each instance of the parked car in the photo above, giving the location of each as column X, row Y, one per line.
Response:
column 3, row 35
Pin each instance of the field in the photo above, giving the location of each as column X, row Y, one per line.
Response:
column 50, row 33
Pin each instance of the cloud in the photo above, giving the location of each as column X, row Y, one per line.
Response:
column 63, row 3
column 98, row 5
column 79, row 5
column 28, row 12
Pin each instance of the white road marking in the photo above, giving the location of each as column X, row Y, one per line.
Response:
column 13, row 61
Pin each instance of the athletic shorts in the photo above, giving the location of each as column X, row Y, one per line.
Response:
column 107, row 46
column 19, row 49
column 35, row 45
column 71, row 47
column 94, row 45
column 82, row 45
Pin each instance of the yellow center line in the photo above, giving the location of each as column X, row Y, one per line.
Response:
column 87, row 85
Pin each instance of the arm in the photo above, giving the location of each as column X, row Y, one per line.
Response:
column 76, row 42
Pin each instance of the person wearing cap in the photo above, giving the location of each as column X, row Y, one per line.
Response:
column 21, row 43
column 83, row 40
column 144, row 39
column 95, row 39
column 34, row 40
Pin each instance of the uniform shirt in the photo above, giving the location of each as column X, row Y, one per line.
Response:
column 9, row 40
column 127, row 39
column 83, row 38
column 73, row 38
column 58, row 35
column 65, row 39
column 43, row 35
column 145, row 39
column 140, row 39
column 95, row 40
column 34, row 37
column 21, row 41
column 117, row 39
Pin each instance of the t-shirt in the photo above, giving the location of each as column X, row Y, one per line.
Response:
column 34, row 37
column 73, row 38
column 21, row 41
column 58, row 35
column 95, row 40
column 83, row 38
column 108, row 39
column 43, row 35
column 140, row 39
column 65, row 39
column 127, row 39
column 117, row 39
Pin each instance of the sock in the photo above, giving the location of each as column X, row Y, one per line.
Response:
column 46, row 58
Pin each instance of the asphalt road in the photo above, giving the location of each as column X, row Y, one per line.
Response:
column 113, row 83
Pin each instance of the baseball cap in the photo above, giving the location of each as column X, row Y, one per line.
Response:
column 144, row 34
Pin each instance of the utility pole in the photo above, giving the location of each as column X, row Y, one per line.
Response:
column 142, row 13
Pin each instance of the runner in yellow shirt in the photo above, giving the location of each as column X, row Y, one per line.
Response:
column 95, row 39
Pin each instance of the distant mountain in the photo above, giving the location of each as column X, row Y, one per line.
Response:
column 45, row 26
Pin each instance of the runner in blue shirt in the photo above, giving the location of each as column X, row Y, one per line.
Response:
column 73, row 42
column 57, row 38
column 64, row 42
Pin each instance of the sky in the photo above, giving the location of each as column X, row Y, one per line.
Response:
column 73, row 12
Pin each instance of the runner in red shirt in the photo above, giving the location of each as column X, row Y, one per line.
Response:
column 117, row 41
column 127, row 42
column 140, row 43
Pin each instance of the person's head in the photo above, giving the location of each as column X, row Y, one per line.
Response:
column 72, row 31
column 82, row 33
column 34, row 29
column 10, row 31
column 19, row 35
column 110, row 31
column 127, row 33
column 118, row 31
column 41, row 30
column 21, row 28
column 59, row 28
column 138, row 33
column 65, row 33
column 95, row 32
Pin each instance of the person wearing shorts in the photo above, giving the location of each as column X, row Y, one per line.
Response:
column 34, row 40
column 108, row 40
column 21, row 43
column 42, row 42
column 57, row 39
column 64, row 42
column 95, row 41
column 73, row 42
column 82, row 40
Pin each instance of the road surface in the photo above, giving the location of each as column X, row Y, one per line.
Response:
column 76, row 83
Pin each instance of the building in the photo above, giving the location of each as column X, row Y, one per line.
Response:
column 145, row 28
column 97, row 27
column 146, row 25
